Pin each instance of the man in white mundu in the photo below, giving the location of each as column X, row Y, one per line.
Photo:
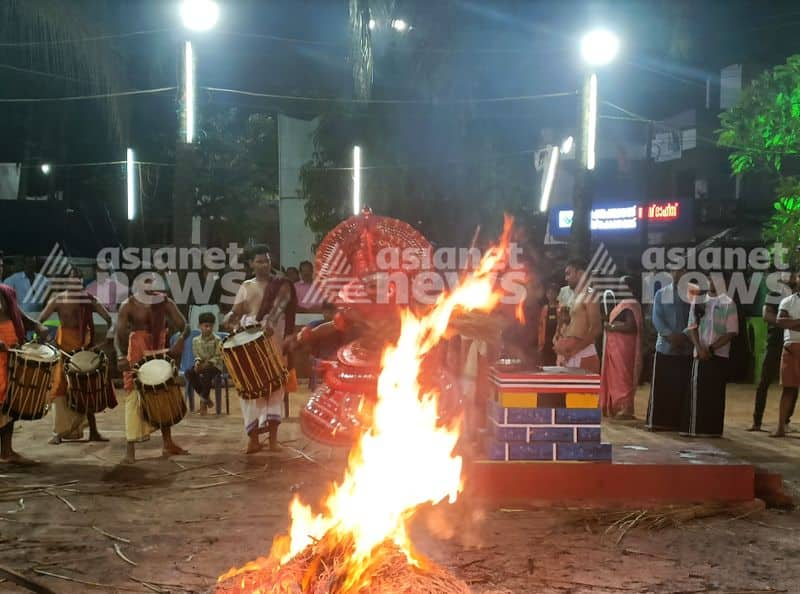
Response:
column 270, row 302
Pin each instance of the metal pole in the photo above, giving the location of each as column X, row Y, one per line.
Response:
column 644, row 236
column 585, row 158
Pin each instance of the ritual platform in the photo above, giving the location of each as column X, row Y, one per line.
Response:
column 545, row 444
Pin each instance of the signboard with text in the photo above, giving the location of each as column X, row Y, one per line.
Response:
column 625, row 219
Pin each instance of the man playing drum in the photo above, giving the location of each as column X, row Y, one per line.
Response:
column 75, row 309
column 271, row 302
column 13, row 326
column 142, row 331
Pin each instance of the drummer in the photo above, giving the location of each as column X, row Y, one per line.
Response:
column 271, row 302
column 75, row 308
column 142, row 331
column 13, row 326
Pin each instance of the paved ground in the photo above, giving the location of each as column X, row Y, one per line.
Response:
column 178, row 523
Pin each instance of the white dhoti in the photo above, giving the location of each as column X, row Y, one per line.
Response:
column 259, row 412
column 136, row 428
column 576, row 359
column 66, row 422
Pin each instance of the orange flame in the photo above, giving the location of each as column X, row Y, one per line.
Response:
column 520, row 312
column 406, row 459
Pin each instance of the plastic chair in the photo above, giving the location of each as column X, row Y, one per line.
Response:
column 220, row 382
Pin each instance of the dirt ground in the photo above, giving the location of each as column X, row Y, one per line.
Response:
column 173, row 525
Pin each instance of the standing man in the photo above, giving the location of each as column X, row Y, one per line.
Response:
column 576, row 346
column 75, row 309
column 108, row 287
column 271, row 302
column 789, row 320
column 29, row 285
column 303, row 286
column 13, row 326
column 672, row 363
column 141, row 331
column 770, row 366
column 712, row 325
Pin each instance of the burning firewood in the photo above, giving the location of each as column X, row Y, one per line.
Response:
column 321, row 569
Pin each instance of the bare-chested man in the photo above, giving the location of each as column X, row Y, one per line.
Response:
column 271, row 302
column 141, row 331
column 575, row 346
column 75, row 309
column 13, row 326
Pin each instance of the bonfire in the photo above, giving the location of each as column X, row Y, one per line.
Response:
column 359, row 541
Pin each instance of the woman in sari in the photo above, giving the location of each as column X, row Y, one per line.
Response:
column 622, row 356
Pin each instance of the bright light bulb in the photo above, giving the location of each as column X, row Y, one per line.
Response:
column 372, row 24
column 199, row 15
column 45, row 168
column 566, row 146
column 399, row 25
column 599, row 47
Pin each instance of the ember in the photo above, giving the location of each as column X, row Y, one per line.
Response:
column 359, row 542
column 322, row 570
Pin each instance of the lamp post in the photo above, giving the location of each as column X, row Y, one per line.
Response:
column 356, row 180
column 198, row 16
column 598, row 48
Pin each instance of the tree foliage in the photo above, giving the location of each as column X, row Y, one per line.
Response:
column 237, row 168
column 763, row 131
column 783, row 227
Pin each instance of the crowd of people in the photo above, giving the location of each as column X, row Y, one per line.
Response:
column 578, row 326
column 145, row 321
column 694, row 328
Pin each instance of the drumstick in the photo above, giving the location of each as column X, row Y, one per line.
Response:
column 158, row 352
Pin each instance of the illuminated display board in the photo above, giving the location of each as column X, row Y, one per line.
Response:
column 625, row 218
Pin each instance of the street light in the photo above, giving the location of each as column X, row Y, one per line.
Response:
column 356, row 180
column 130, row 170
column 599, row 47
column 199, row 15
column 549, row 178
column 189, row 88
column 45, row 167
column 400, row 25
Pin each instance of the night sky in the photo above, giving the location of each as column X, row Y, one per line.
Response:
column 457, row 50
